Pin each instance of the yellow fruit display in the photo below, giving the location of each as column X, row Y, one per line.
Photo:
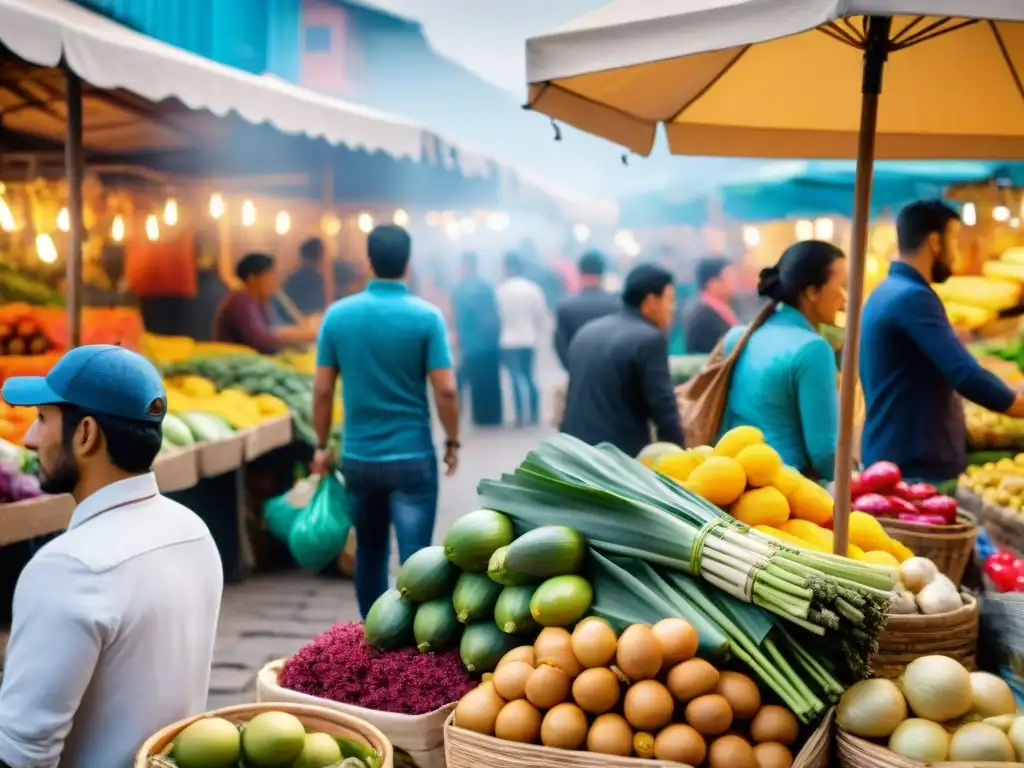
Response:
column 809, row 501
column 807, row 531
column 761, row 506
column 787, row 538
column 867, row 533
column 899, row 550
column 678, row 466
column 787, row 480
column 719, row 479
column 736, row 439
column 879, row 557
column 761, row 463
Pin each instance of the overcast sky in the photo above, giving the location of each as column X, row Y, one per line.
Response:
column 488, row 36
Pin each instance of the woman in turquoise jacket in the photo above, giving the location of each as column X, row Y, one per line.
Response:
column 784, row 382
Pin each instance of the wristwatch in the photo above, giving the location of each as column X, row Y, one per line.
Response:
column 452, row 445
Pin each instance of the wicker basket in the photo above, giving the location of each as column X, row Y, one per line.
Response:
column 908, row 637
column 948, row 546
column 324, row 720
column 858, row 753
column 1005, row 527
column 467, row 749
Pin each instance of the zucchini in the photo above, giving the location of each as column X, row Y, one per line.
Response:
column 426, row 575
column 472, row 539
column 512, row 611
column 498, row 572
column 388, row 625
column 483, row 645
column 474, row 597
column 553, row 550
column 561, row 601
column 435, row 625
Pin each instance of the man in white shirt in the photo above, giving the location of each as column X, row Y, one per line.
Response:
column 114, row 620
column 524, row 320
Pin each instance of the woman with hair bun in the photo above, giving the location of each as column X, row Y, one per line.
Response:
column 784, row 382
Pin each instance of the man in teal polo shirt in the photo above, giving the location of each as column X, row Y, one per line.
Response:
column 386, row 344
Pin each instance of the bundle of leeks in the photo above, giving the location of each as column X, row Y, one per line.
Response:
column 624, row 509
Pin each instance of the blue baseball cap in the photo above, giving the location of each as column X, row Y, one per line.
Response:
column 99, row 378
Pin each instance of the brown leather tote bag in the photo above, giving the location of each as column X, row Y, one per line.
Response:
column 702, row 399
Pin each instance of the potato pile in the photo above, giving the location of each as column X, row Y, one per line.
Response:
column 641, row 694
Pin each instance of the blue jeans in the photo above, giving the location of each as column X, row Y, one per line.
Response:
column 382, row 494
column 525, row 395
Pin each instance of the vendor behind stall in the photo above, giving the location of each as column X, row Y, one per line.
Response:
column 244, row 315
column 306, row 286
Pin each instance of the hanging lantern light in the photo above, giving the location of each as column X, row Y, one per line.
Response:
column 804, row 229
column 331, row 225
column 171, row 212
column 969, row 214
column 45, row 249
column 365, row 222
column 751, row 237
column 401, row 218
column 64, row 220
column 282, row 223
column 216, row 205
column 7, row 223
column 152, row 227
column 248, row 213
column 117, row 229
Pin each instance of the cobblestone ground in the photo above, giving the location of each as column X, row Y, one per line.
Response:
column 271, row 616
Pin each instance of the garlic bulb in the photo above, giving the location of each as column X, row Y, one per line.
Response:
column 917, row 572
column 903, row 603
column 937, row 597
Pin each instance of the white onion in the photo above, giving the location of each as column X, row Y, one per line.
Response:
column 920, row 740
column 871, row 709
column 991, row 695
column 937, row 688
column 917, row 572
column 903, row 603
column 1017, row 737
column 936, row 597
column 981, row 742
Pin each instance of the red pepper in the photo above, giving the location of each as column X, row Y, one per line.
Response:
column 1018, row 565
column 1018, row 583
column 1002, row 556
column 1002, row 575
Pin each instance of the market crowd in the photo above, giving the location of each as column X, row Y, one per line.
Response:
column 115, row 620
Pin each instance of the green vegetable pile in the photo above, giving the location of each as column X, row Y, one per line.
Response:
column 485, row 586
column 16, row 286
column 257, row 375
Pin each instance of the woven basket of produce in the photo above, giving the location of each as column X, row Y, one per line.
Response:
column 268, row 734
column 860, row 753
column 948, row 546
column 909, row 636
column 1004, row 525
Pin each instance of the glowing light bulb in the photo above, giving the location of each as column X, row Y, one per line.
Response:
column 969, row 214
column 401, row 218
column 499, row 222
column 824, row 229
column 804, row 229
column 152, row 227
column 751, row 237
column 331, row 225
column 7, row 223
column 282, row 223
column 468, row 226
column 623, row 238
column 451, row 228
column 45, row 249
column 365, row 222
column 581, row 233
column 117, row 229
column 248, row 213
column 171, row 212
column 1001, row 213
column 64, row 220
column 216, row 205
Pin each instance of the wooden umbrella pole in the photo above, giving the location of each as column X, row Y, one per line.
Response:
column 74, row 170
column 876, row 50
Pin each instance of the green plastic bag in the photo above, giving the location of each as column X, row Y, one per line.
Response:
column 320, row 531
column 280, row 512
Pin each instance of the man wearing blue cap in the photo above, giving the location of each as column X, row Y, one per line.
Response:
column 115, row 619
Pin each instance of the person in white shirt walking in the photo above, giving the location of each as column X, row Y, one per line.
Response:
column 115, row 619
column 524, row 320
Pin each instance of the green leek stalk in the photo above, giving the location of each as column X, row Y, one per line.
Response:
column 624, row 509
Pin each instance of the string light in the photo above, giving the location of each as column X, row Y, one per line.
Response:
column 152, row 227
column 248, row 213
column 824, row 229
column 117, row 229
column 401, row 218
column 282, row 223
column 581, row 232
column 468, row 226
column 498, row 222
column 7, row 223
column 331, row 225
column 45, row 249
column 365, row 222
column 751, row 237
column 1001, row 213
column 64, row 220
column 969, row 214
column 216, row 205
column 171, row 212
column 804, row 229
column 451, row 228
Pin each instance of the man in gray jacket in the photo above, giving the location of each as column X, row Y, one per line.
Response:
column 619, row 381
column 592, row 302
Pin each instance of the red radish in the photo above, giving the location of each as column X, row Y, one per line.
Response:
column 856, row 489
column 944, row 506
column 874, row 504
column 921, row 491
column 880, row 477
column 904, row 507
column 920, row 519
column 902, row 489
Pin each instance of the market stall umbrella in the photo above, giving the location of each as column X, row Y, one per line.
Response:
column 778, row 78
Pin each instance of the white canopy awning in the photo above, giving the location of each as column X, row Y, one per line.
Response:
column 109, row 56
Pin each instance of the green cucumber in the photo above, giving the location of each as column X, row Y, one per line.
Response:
column 472, row 539
column 512, row 611
column 426, row 575
column 474, row 597
column 561, row 601
column 389, row 623
column 435, row 626
column 483, row 645
column 498, row 572
column 553, row 550
column 176, row 431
